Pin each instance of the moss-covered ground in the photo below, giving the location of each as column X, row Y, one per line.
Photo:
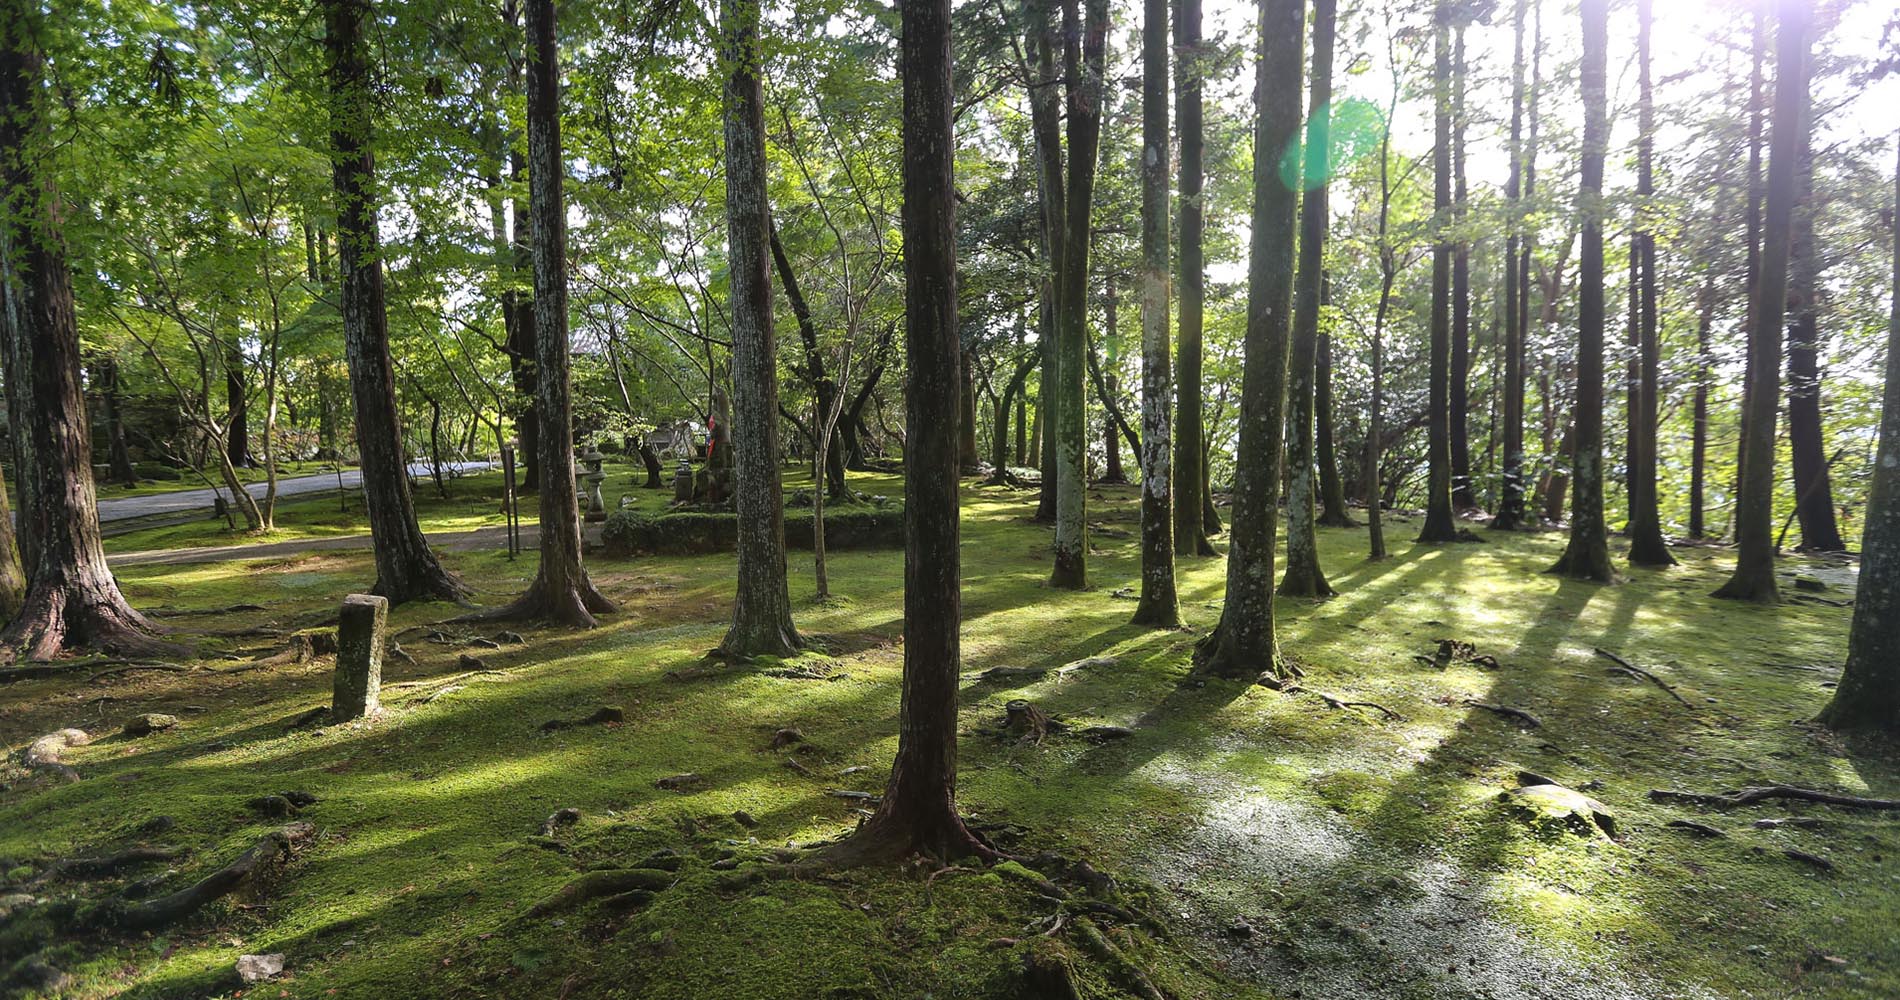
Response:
column 1292, row 850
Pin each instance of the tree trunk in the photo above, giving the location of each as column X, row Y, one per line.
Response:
column 1754, row 576
column 918, row 814
column 118, row 456
column 1510, row 514
column 405, row 568
column 1757, row 128
column 1158, row 607
column 1243, row 643
column 1304, row 578
column 1190, row 474
column 967, row 456
column 1587, row 556
column 824, row 389
column 1439, row 525
column 1699, row 442
column 1813, row 491
column 1332, row 492
column 656, row 473
column 237, row 438
column 71, row 601
column 1085, row 46
column 12, row 577
column 1109, row 388
column 1647, row 546
column 1462, row 497
column 1869, row 693
column 762, row 606
column 1045, row 114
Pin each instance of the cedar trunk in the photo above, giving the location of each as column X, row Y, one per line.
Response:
column 1439, row 525
column 1813, row 490
column 1190, row 479
column 1647, row 546
column 1158, row 606
column 1510, row 514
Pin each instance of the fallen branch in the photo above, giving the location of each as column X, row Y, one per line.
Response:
column 1763, row 793
column 1507, row 711
column 594, row 885
column 1640, row 674
column 275, row 846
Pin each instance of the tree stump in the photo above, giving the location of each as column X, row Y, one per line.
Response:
column 359, row 657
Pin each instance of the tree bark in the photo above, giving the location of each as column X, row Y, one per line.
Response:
column 405, row 568
column 1243, row 643
column 918, row 814
column 12, row 576
column 1158, row 606
column 1084, row 55
column 1462, row 497
column 70, row 601
column 1587, row 556
column 967, row 456
column 1757, row 128
column 1647, row 546
column 118, row 456
column 1869, row 693
column 1190, row 475
column 823, row 387
column 1304, row 577
column 1332, row 491
column 561, row 590
column 1439, row 525
column 1813, row 490
column 1045, row 126
column 762, row 606
column 1754, row 576
column 1108, row 385
column 1510, row 514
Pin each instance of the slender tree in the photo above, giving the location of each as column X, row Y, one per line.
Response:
column 561, row 590
column 762, row 605
column 1190, row 483
column 1304, row 578
column 1754, row 576
column 1440, row 526
column 1158, row 606
column 918, row 814
column 1243, row 642
column 1084, row 54
column 1332, row 492
column 405, row 568
column 1647, row 546
column 1459, row 392
column 1756, row 195
column 1510, row 514
column 1041, row 79
column 1587, row 557
column 1813, row 488
column 1869, row 693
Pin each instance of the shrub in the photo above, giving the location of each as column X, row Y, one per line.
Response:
column 687, row 533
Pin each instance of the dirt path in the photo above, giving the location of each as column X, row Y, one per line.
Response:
column 186, row 501
column 478, row 538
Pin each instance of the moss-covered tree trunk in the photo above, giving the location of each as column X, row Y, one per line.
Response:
column 1587, row 556
column 1510, row 515
column 70, row 600
column 1158, row 606
column 1084, row 53
column 762, row 605
column 1439, row 524
column 1190, row 480
column 918, row 814
column 1647, row 546
column 1754, row 576
column 1243, row 643
column 1304, row 578
column 1869, row 693
column 405, row 568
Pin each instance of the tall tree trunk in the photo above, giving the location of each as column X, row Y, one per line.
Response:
column 1647, row 546
column 1159, row 606
column 1754, row 576
column 967, row 455
column 1045, row 114
column 1587, row 556
column 1304, row 578
column 1084, row 55
column 1190, row 473
column 1462, row 497
column 561, row 590
column 405, row 568
column 1243, row 644
column 824, row 389
column 1439, row 524
column 1869, row 693
column 118, row 456
column 70, row 601
column 1109, row 386
column 1510, row 514
column 1757, row 130
column 762, row 606
column 1332, row 492
column 237, row 438
column 12, row 576
column 1699, row 441
column 1813, row 490
column 918, row 814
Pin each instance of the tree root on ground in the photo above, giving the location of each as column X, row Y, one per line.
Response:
column 1332, row 701
column 1699, row 829
column 98, row 867
column 1632, row 670
column 276, row 846
column 1763, row 793
column 33, row 670
column 1507, row 711
column 196, row 612
column 604, row 715
column 602, row 884
column 1036, row 673
column 1452, row 651
column 1125, row 968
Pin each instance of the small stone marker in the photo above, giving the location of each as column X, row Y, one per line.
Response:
column 359, row 657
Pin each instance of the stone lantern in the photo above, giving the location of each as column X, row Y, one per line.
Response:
column 593, row 477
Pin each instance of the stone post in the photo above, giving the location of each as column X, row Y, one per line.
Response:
column 359, row 657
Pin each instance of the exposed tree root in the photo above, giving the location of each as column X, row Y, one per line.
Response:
column 1813, row 859
column 1508, row 712
column 1699, row 829
column 276, row 846
column 1452, row 651
column 32, row 670
column 1763, row 793
column 197, row 612
column 1640, row 674
column 43, row 754
column 604, row 715
column 1034, row 673
column 99, row 867
column 134, row 667
column 1271, row 682
column 1125, row 968
column 597, row 885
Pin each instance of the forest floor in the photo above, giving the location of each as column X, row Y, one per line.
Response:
column 1281, row 848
